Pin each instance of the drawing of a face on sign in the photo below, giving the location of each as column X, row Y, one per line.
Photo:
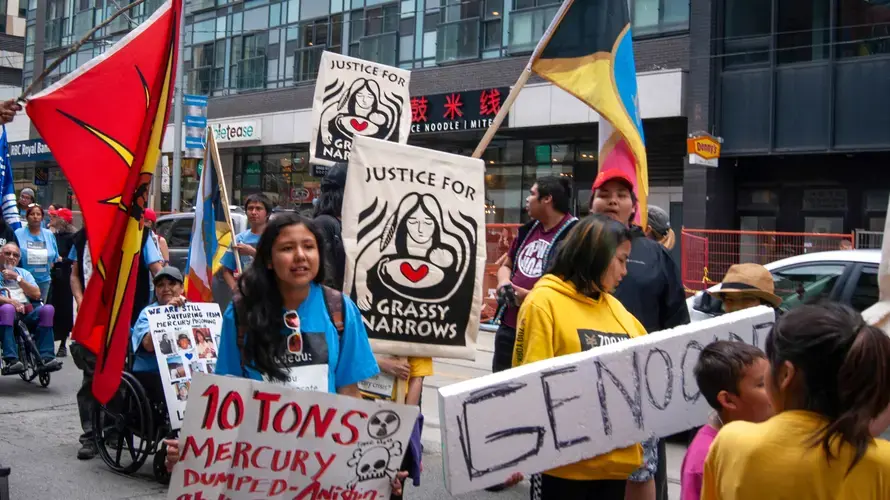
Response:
column 415, row 271
column 357, row 108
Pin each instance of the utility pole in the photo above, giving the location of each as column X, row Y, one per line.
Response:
column 176, row 174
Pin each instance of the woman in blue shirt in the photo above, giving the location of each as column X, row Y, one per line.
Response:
column 39, row 249
column 287, row 335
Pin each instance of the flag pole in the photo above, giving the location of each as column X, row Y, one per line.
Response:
column 74, row 48
column 214, row 151
column 522, row 80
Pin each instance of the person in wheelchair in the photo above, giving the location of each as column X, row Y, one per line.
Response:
column 168, row 290
column 21, row 300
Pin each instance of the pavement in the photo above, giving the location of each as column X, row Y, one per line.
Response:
column 39, row 430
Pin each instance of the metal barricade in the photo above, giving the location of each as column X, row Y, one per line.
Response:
column 709, row 253
column 498, row 239
column 869, row 239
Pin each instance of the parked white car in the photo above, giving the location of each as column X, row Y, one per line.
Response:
column 846, row 276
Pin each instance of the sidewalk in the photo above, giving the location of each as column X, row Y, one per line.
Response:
column 451, row 371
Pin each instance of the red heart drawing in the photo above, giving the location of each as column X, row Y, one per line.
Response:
column 358, row 124
column 414, row 275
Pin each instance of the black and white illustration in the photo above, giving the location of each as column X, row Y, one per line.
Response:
column 354, row 98
column 376, row 461
column 413, row 231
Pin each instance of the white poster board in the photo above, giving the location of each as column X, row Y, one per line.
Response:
column 414, row 235
column 357, row 98
column 246, row 439
column 186, row 341
column 571, row 408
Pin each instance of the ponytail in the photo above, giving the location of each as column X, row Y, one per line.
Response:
column 842, row 370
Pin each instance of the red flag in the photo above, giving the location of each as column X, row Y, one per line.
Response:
column 104, row 124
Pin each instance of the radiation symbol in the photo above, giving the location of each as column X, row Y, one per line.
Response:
column 384, row 424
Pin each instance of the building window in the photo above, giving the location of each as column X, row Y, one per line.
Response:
column 528, row 22
column 248, row 70
column 660, row 16
column 802, row 31
column 862, row 28
column 208, row 63
column 746, row 32
column 373, row 34
column 315, row 38
column 457, row 36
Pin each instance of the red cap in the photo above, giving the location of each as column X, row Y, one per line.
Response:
column 53, row 212
column 66, row 215
column 610, row 175
column 150, row 215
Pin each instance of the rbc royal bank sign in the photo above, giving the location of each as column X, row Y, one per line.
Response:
column 472, row 110
column 30, row 150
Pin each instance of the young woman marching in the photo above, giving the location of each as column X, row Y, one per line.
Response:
column 829, row 378
column 282, row 310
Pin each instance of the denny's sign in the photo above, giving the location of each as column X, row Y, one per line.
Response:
column 703, row 149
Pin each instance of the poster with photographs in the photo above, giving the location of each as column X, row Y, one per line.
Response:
column 357, row 98
column 186, row 342
column 414, row 234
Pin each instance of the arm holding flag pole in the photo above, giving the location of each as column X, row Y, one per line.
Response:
column 214, row 152
column 521, row 81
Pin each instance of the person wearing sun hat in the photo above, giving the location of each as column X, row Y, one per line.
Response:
column 745, row 286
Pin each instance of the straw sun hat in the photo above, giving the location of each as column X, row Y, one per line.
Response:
column 750, row 279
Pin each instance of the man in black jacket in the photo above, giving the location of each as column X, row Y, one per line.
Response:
column 652, row 291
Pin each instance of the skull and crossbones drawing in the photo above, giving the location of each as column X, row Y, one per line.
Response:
column 374, row 462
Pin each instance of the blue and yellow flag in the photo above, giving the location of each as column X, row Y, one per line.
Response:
column 590, row 55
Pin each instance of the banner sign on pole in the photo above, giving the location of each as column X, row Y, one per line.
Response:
column 195, row 125
column 186, row 341
column 357, row 98
column 582, row 405
column 245, row 439
column 414, row 234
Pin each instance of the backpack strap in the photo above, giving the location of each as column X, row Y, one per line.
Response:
column 333, row 301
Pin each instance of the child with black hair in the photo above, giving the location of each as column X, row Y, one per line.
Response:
column 732, row 378
column 829, row 379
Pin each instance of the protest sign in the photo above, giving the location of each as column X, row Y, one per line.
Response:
column 357, row 98
column 414, row 234
column 582, row 405
column 246, row 439
column 186, row 341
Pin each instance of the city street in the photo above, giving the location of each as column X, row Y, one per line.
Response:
column 40, row 430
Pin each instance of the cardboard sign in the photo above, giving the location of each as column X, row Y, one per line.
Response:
column 414, row 234
column 186, row 341
column 246, row 439
column 582, row 405
column 357, row 98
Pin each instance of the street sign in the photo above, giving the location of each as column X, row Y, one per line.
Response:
column 703, row 149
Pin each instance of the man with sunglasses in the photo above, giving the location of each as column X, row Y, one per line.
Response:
column 21, row 297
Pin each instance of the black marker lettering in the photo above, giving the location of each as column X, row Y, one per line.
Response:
column 694, row 397
column 552, row 404
column 669, row 368
column 635, row 403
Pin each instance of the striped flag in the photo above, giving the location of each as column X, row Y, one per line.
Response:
column 211, row 233
column 590, row 55
column 9, row 204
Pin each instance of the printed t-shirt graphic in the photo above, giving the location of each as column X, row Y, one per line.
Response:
column 529, row 261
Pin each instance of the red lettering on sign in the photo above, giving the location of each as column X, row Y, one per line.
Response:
column 265, row 399
column 353, row 430
column 489, row 102
column 419, row 106
column 453, row 104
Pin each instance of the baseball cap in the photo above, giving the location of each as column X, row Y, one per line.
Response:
column 610, row 175
column 169, row 272
column 65, row 214
column 150, row 215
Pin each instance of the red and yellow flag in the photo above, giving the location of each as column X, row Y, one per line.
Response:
column 105, row 123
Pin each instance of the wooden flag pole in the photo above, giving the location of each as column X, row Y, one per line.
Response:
column 522, row 80
column 74, row 48
column 217, row 165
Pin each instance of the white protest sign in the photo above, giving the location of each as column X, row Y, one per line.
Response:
column 357, row 98
column 571, row 408
column 186, row 341
column 246, row 439
column 414, row 235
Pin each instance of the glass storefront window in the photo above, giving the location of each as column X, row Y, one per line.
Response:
column 862, row 28
column 803, row 33
column 747, row 32
column 282, row 174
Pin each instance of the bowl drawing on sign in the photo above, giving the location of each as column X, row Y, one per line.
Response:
column 350, row 125
column 413, row 272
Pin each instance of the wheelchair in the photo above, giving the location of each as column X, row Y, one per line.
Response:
column 131, row 427
column 28, row 353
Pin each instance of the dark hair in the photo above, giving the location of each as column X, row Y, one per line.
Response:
column 259, row 302
column 330, row 201
column 559, row 188
column 721, row 366
column 843, row 368
column 586, row 252
column 33, row 207
column 259, row 198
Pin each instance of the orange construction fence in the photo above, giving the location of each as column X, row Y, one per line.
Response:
column 708, row 253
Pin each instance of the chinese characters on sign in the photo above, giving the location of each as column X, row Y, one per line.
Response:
column 470, row 110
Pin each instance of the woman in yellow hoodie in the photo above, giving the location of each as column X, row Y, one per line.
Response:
column 570, row 310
